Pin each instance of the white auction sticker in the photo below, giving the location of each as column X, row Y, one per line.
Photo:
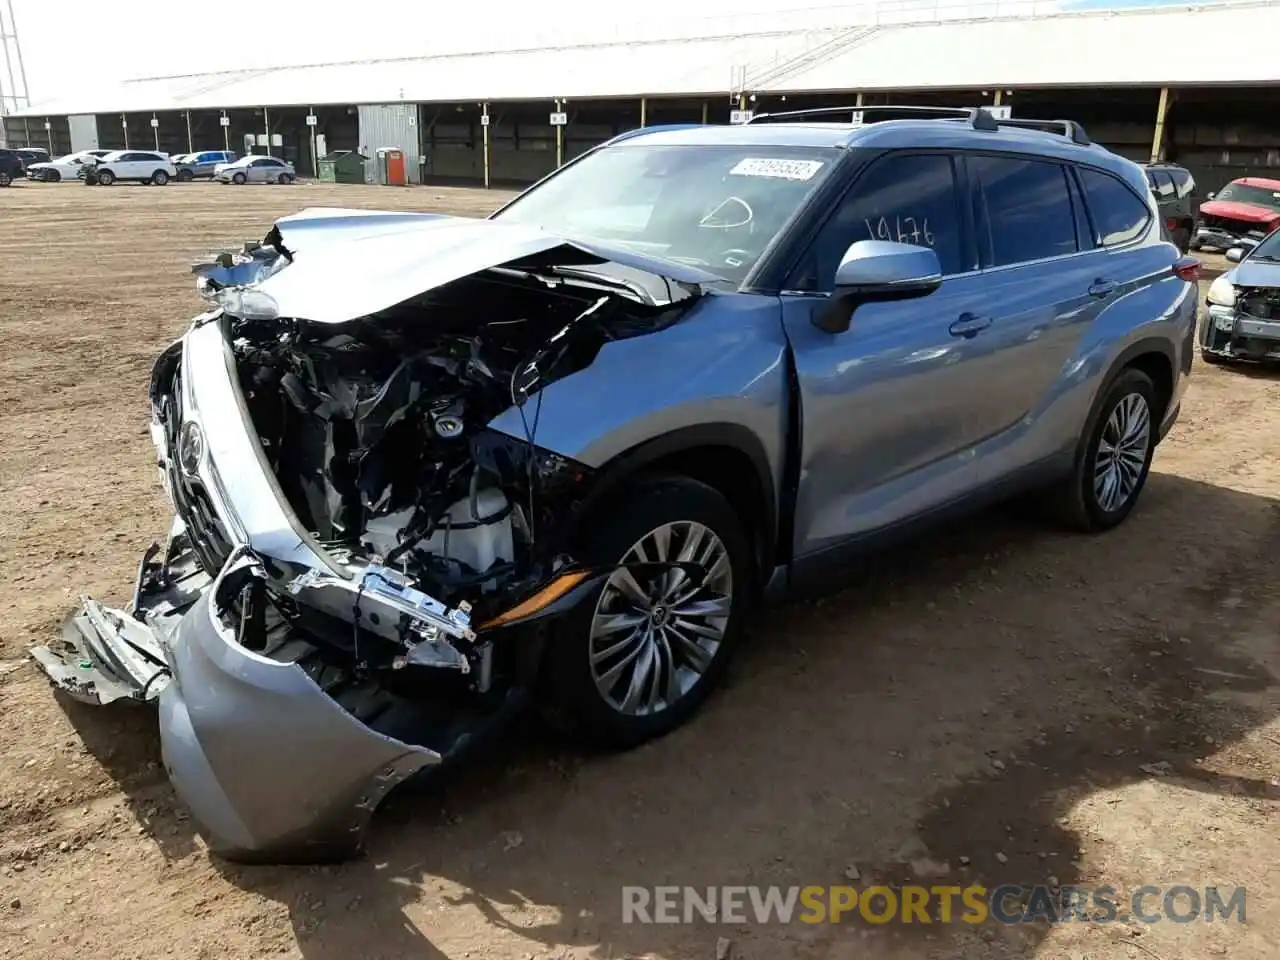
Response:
column 782, row 169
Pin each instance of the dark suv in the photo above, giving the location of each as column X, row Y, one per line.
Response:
column 1175, row 191
column 11, row 166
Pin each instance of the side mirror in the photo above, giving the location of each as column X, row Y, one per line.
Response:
column 1235, row 254
column 1211, row 194
column 878, row 270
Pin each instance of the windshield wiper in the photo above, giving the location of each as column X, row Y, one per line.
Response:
column 1264, row 258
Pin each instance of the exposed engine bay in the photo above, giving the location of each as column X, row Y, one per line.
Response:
column 353, row 536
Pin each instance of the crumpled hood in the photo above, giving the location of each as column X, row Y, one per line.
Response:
column 1235, row 210
column 335, row 265
column 1255, row 274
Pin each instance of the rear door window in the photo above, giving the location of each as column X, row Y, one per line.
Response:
column 909, row 198
column 1183, row 183
column 1022, row 210
column 1162, row 185
column 1118, row 214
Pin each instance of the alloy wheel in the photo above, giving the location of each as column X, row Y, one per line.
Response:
column 1122, row 452
column 654, row 636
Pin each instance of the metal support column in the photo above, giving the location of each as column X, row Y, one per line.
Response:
column 858, row 102
column 226, row 133
column 995, row 101
column 559, row 137
column 644, row 111
column 704, row 113
column 26, row 128
column 155, row 131
column 124, row 125
column 191, row 144
column 484, row 135
column 48, row 129
column 315, row 161
column 1157, row 140
column 266, row 128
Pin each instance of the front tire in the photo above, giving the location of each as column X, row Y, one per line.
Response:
column 185, row 176
column 52, row 176
column 638, row 659
column 238, row 179
column 1112, row 466
column 106, row 178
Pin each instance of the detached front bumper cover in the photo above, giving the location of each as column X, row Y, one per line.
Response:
column 272, row 768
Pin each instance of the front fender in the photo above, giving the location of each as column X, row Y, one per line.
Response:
column 722, row 364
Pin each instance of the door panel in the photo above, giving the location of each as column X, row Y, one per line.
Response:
column 1037, row 280
column 898, row 391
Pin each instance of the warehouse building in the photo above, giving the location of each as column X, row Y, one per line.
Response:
column 1145, row 82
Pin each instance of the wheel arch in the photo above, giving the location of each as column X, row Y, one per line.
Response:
column 1156, row 358
column 725, row 456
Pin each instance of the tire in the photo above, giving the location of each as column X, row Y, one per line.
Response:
column 52, row 176
column 160, row 178
column 1079, row 502
column 185, row 176
column 106, row 178
column 238, row 179
column 5, row 179
column 284, row 179
column 1182, row 237
column 579, row 694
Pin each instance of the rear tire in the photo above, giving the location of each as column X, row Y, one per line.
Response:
column 636, row 660
column 284, row 179
column 160, row 178
column 1114, row 460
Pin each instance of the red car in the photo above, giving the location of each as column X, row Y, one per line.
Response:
column 1240, row 214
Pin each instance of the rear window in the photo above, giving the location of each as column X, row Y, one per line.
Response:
column 1119, row 215
column 1183, row 182
column 1023, row 210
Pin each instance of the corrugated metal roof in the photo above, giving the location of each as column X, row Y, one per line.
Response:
column 1156, row 47
column 1073, row 49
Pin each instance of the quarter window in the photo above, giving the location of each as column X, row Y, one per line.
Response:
column 1119, row 215
column 907, row 199
column 1022, row 210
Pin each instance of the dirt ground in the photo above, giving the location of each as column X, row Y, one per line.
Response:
column 1014, row 703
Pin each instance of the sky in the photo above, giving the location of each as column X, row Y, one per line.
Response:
column 66, row 44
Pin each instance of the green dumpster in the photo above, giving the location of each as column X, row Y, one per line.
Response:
column 342, row 166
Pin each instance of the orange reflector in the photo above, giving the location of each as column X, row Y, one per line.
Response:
column 548, row 595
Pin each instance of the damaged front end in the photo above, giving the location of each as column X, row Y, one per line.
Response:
column 1242, row 319
column 355, row 582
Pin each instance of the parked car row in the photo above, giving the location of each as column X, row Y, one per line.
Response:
column 14, row 162
column 106, row 167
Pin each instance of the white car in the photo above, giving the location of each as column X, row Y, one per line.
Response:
column 255, row 169
column 70, row 167
column 143, row 166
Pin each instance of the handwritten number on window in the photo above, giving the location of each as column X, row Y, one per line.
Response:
column 901, row 230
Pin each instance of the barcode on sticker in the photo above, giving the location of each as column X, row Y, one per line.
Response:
column 782, row 169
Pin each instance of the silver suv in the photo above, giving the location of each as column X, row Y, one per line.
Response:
column 427, row 469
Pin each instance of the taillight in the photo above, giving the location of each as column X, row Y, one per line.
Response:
column 1171, row 223
column 1187, row 268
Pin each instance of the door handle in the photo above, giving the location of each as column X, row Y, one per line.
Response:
column 969, row 325
column 1102, row 288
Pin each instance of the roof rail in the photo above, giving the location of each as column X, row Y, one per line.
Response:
column 1068, row 128
column 980, row 117
column 973, row 114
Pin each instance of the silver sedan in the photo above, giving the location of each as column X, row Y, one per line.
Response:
column 255, row 169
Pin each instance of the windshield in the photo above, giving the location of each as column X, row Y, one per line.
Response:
column 714, row 207
column 1244, row 193
column 1267, row 249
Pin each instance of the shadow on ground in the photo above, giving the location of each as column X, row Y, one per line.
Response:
column 861, row 728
